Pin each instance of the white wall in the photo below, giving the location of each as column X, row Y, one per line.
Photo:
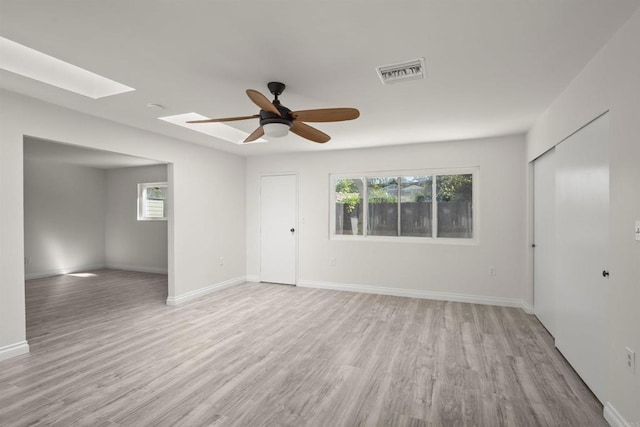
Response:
column 64, row 221
column 611, row 81
column 416, row 267
column 132, row 244
column 200, row 229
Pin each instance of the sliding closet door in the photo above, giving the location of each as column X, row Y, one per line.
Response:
column 582, row 240
column 544, row 273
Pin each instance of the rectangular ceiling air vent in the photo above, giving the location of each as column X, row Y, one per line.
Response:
column 408, row 70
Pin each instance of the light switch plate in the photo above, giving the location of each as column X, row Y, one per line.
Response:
column 637, row 230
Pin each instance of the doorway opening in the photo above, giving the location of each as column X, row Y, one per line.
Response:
column 82, row 234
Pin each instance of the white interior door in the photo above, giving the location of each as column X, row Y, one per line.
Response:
column 278, row 229
column 544, row 213
column 582, row 231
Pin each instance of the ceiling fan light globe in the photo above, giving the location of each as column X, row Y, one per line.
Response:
column 275, row 130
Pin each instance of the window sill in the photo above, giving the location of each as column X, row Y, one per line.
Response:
column 419, row 240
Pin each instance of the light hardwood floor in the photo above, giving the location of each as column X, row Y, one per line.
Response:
column 107, row 351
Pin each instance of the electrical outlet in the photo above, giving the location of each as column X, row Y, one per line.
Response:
column 332, row 261
column 27, row 261
column 636, row 230
column 631, row 360
column 221, row 261
column 492, row 271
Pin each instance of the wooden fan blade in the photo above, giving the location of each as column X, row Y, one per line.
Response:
column 309, row 132
column 262, row 101
column 255, row 134
column 326, row 115
column 228, row 119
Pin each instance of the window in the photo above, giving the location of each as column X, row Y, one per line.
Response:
column 348, row 206
column 382, row 206
column 152, row 201
column 455, row 213
column 418, row 206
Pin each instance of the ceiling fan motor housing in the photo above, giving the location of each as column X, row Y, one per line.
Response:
column 267, row 117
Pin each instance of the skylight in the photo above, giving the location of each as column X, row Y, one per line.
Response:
column 27, row 62
column 219, row 130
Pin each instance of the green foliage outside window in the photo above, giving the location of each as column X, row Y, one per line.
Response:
column 378, row 195
column 350, row 195
column 378, row 191
column 156, row 193
column 452, row 188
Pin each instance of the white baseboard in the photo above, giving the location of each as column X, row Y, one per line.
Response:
column 14, row 350
column 528, row 308
column 412, row 293
column 49, row 273
column 613, row 417
column 253, row 279
column 139, row 268
column 204, row 291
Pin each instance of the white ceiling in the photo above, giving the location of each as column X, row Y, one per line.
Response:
column 49, row 151
column 493, row 66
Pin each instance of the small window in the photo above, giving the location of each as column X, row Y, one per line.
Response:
column 152, row 201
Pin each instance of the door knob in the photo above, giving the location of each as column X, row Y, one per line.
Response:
column 292, row 230
column 605, row 273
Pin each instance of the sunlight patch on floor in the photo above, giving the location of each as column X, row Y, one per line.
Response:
column 82, row 274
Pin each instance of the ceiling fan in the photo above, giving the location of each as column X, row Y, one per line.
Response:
column 276, row 120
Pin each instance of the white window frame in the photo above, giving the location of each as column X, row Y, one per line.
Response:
column 142, row 187
column 475, row 185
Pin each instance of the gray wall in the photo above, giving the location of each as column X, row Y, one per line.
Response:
column 82, row 218
column 132, row 244
column 64, row 218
